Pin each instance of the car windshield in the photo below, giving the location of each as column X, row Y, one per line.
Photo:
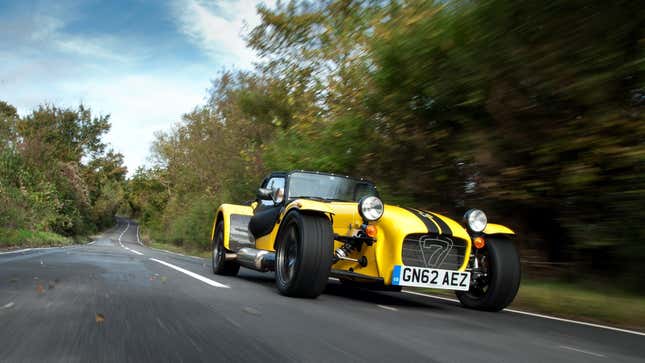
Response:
column 328, row 187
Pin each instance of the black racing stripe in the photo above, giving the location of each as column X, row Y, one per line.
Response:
column 432, row 228
column 444, row 227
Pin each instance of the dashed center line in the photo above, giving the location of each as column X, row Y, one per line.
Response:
column 387, row 307
column 583, row 351
column 134, row 251
column 122, row 233
column 192, row 274
column 127, row 248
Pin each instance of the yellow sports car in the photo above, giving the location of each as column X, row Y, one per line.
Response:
column 309, row 226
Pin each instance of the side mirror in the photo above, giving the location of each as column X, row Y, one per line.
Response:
column 265, row 194
column 277, row 195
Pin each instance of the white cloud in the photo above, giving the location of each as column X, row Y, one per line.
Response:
column 219, row 28
column 139, row 105
column 105, row 48
column 41, row 33
column 43, row 62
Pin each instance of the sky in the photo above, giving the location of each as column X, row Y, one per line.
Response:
column 144, row 62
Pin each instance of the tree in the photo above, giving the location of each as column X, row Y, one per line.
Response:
column 55, row 172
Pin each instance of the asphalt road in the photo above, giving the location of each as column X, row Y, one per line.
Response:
column 123, row 302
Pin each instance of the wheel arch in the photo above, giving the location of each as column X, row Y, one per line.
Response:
column 223, row 214
column 498, row 230
column 218, row 218
column 303, row 211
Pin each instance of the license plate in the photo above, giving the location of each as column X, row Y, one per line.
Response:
column 430, row 277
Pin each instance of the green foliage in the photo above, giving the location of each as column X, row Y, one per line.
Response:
column 26, row 238
column 55, row 176
column 332, row 147
column 544, row 102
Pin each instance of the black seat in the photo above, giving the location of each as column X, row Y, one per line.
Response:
column 263, row 220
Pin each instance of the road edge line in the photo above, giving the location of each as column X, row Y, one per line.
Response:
column 549, row 317
column 138, row 239
column 16, row 251
column 175, row 253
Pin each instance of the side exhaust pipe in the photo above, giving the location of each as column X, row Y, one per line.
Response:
column 256, row 259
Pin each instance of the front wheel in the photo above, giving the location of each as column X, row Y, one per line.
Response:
column 496, row 279
column 304, row 255
column 220, row 265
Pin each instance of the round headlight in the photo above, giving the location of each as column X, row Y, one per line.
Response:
column 370, row 208
column 476, row 220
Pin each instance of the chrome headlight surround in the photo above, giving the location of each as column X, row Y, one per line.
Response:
column 476, row 220
column 370, row 208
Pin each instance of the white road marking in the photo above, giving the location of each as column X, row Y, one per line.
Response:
column 432, row 296
column 134, row 251
column 39, row 249
column 175, row 253
column 192, row 274
column 122, row 233
column 138, row 240
column 233, row 322
column 16, row 251
column 583, row 351
column 91, row 243
column 387, row 308
column 121, row 244
column 576, row 322
column 539, row 315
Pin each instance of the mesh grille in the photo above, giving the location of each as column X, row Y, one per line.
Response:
column 422, row 250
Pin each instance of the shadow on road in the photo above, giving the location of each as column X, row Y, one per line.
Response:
column 393, row 299
column 337, row 289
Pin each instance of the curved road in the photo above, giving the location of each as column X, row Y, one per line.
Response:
column 115, row 300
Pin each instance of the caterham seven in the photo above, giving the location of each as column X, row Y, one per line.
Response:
column 309, row 226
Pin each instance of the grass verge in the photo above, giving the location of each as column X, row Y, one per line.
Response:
column 22, row 238
column 599, row 304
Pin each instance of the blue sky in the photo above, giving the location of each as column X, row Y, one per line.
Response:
column 145, row 62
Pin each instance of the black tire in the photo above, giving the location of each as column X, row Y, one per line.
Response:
column 220, row 265
column 304, row 254
column 502, row 282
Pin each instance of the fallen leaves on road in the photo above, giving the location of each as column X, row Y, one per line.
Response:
column 99, row 318
column 39, row 288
